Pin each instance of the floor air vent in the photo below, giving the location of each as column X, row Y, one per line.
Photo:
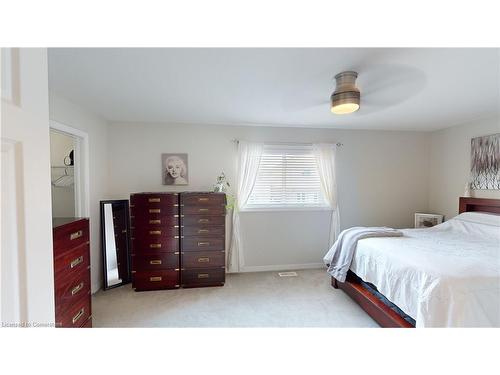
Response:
column 287, row 274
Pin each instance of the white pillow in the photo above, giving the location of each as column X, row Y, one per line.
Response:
column 480, row 218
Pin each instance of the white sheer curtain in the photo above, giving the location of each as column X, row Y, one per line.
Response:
column 249, row 155
column 325, row 160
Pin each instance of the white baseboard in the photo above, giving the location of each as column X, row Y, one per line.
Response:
column 285, row 267
column 95, row 288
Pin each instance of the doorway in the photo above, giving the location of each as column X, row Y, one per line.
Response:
column 69, row 171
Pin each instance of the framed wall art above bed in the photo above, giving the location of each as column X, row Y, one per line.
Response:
column 485, row 162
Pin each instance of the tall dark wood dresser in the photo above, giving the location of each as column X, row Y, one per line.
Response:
column 155, row 241
column 72, row 272
column 202, row 243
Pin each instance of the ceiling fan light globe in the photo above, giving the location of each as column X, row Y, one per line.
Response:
column 344, row 108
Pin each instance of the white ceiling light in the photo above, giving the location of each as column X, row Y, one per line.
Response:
column 346, row 96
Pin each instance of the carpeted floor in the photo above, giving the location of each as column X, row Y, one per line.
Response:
column 260, row 299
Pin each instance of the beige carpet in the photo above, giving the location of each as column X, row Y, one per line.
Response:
column 260, row 299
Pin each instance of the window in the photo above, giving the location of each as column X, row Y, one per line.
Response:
column 287, row 178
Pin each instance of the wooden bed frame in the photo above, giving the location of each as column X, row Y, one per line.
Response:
column 379, row 311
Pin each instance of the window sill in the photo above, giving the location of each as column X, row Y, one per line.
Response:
column 284, row 209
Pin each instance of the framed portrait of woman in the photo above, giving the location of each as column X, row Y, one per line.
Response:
column 174, row 169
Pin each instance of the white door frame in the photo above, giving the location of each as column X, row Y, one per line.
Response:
column 81, row 170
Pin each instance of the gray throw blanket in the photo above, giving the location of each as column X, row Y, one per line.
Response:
column 339, row 257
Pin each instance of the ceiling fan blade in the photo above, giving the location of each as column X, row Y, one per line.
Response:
column 390, row 84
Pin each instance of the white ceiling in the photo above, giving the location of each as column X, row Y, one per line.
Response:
column 409, row 89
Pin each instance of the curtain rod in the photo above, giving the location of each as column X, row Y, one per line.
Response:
column 338, row 144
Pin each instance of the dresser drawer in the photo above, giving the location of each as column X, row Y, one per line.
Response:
column 196, row 220
column 154, row 220
column 205, row 231
column 153, row 280
column 71, row 235
column 203, row 259
column 156, row 262
column 146, row 237
column 203, row 199
column 159, row 199
column 202, row 244
column 76, row 315
column 155, row 231
column 69, row 292
column 206, row 211
column 144, row 215
column 72, row 262
column 154, row 245
column 203, row 277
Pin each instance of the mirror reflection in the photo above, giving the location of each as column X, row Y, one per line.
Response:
column 115, row 242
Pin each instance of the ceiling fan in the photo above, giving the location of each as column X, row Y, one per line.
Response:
column 346, row 97
column 381, row 85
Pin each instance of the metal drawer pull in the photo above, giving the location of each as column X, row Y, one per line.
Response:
column 203, row 276
column 176, row 253
column 154, row 221
column 204, row 260
column 203, row 221
column 124, row 231
column 203, row 243
column 156, row 261
column 76, row 289
column 203, row 231
column 154, row 200
column 79, row 315
column 155, row 278
column 202, row 199
column 76, row 261
column 155, row 245
column 158, row 232
column 154, row 210
column 74, row 236
column 203, row 209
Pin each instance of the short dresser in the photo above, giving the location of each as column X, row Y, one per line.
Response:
column 72, row 272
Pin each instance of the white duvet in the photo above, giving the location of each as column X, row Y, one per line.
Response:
column 444, row 276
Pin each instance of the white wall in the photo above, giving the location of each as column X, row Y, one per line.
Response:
column 449, row 168
column 26, row 122
column 63, row 197
column 383, row 179
column 67, row 113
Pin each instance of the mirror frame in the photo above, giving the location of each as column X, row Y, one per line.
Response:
column 103, row 243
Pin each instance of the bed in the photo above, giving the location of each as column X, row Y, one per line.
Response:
column 444, row 276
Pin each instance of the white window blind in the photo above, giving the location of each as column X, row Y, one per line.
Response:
column 287, row 177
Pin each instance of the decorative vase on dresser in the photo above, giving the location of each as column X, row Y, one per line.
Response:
column 72, row 272
column 202, row 241
column 155, row 241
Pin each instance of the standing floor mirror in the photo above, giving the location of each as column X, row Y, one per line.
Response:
column 115, row 242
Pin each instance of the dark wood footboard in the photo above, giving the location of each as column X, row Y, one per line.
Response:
column 379, row 311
